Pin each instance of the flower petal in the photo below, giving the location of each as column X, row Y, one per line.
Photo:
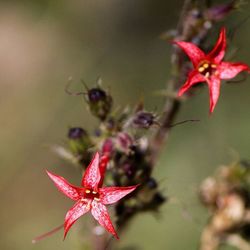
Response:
column 193, row 78
column 102, row 167
column 218, row 51
column 110, row 195
column 100, row 213
column 92, row 175
column 79, row 209
column 66, row 188
column 214, row 91
column 230, row 70
column 195, row 54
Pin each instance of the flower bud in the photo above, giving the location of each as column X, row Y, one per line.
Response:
column 107, row 147
column 151, row 183
column 96, row 95
column 79, row 140
column 124, row 142
column 143, row 119
column 219, row 12
column 100, row 103
column 129, row 169
column 76, row 133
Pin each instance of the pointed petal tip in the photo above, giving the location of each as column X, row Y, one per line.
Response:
column 92, row 176
column 218, row 52
column 64, row 236
column 174, row 42
column 183, row 89
column 134, row 187
column 223, row 29
column 211, row 109
column 49, row 173
column 116, row 236
column 97, row 154
column 65, row 231
column 180, row 93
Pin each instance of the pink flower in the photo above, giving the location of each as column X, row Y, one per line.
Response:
column 91, row 196
column 209, row 67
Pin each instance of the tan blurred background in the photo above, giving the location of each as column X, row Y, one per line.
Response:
column 42, row 44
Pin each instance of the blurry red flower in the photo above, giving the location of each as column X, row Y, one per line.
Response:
column 91, row 196
column 209, row 67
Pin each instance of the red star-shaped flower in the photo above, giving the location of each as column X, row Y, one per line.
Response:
column 91, row 196
column 209, row 67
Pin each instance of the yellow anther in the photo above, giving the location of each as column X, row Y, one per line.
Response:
column 87, row 191
column 207, row 75
column 205, row 65
column 94, row 192
column 201, row 69
column 213, row 65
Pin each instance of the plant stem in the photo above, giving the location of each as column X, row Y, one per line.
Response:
column 172, row 105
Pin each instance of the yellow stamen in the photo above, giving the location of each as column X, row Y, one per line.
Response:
column 94, row 192
column 214, row 66
column 201, row 69
column 205, row 65
column 207, row 75
column 87, row 191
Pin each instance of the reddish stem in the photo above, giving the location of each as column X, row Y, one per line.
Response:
column 43, row 236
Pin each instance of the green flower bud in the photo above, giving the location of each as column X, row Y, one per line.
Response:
column 100, row 103
column 79, row 140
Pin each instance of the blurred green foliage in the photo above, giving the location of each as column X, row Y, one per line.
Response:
column 42, row 43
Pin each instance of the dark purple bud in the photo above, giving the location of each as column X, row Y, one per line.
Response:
column 79, row 141
column 96, row 95
column 143, row 119
column 129, row 169
column 219, row 12
column 151, row 183
column 97, row 132
column 76, row 133
column 124, row 141
column 100, row 103
column 110, row 124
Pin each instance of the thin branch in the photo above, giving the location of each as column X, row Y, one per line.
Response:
column 172, row 106
column 45, row 235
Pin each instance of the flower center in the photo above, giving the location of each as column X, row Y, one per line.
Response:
column 207, row 69
column 91, row 194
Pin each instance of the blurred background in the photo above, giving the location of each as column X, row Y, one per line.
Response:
column 42, row 44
